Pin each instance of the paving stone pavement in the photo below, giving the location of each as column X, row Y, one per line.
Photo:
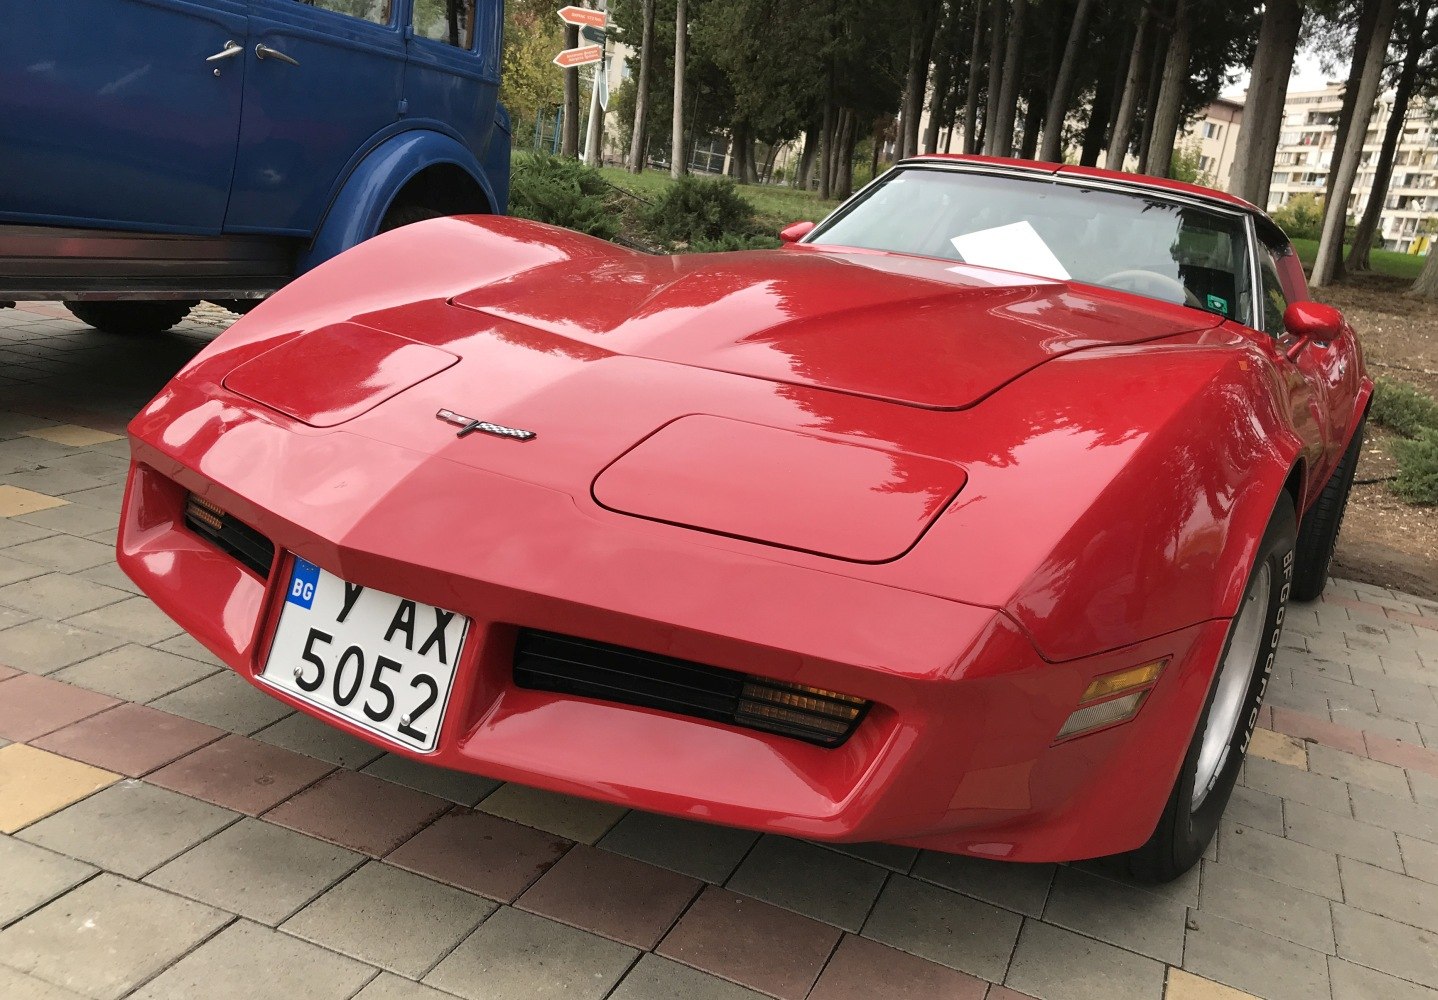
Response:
column 168, row 832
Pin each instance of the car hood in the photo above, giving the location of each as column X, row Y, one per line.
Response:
column 913, row 331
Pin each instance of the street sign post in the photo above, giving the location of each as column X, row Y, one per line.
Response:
column 582, row 56
column 583, row 16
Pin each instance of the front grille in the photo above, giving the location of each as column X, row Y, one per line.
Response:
column 230, row 534
column 545, row 661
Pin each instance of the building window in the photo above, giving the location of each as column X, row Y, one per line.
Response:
column 1212, row 130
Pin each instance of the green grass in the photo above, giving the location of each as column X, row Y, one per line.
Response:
column 1385, row 262
column 776, row 205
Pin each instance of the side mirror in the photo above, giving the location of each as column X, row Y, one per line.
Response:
column 796, row 231
column 1311, row 322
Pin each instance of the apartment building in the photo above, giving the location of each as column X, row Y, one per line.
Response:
column 1305, row 157
column 1216, row 131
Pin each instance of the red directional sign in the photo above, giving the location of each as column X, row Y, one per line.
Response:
column 583, row 15
column 582, row 56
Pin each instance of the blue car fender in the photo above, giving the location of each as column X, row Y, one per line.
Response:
column 357, row 209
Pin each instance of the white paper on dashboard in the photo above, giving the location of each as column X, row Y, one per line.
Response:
column 1015, row 247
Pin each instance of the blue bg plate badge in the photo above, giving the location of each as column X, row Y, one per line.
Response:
column 303, row 580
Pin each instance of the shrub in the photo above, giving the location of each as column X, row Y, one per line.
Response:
column 563, row 193
column 734, row 241
column 700, row 210
column 1301, row 217
column 1402, row 408
column 1417, row 480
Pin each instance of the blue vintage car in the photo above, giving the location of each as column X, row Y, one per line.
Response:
column 158, row 152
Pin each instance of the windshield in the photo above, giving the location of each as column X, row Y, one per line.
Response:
column 1135, row 241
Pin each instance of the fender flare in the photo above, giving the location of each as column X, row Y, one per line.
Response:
column 355, row 212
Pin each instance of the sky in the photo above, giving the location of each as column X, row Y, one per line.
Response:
column 1307, row 75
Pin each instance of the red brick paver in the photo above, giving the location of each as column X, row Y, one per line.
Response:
column 130, row 739
column 241, row 774
column 359, row 811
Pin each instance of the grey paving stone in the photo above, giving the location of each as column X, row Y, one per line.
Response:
column 391, row 918
column 1397, row 729
column 311, row 737
column 1420, row 858
column 18, row 986
column 32, row 877
column 258, row 870
column 1418, row 710
column 43, row 647
column 1278, row 858
column 1250, row 960
column 108, row 497
column 1183, row 890
column 1300, row 699
column 23, row 454
column 1392, row 813
column 1263, row 904
column 1424, row 787
column 135, row 673
column 10, row 617
column 1051, row 962
column 456, row 786
column 519, row 956
column 1386, row 945
column 388, row 986
column 700, row 850
column 246, row 961
column 129, row 827
column 1374, row 774
column 1018, row 887
column 111, row 576
column 890, row 856
column 1354, row 982
column 91, row 462
column 56, row 595
column 107, row 936
column 1398, row 897
column 1296, row 785
column 944, row 926
column 54, row 481
column 62, row 553
column 821, row 884
column 1252, row 808
column 1348, row 837
column 187, row 645
column 1122, row 915
column 14, row 571
column 136, row 620
column 73, row 519
column 13, row 532
column 225, row 701
column 657, row 978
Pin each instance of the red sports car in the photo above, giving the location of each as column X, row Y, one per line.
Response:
column 965, row 520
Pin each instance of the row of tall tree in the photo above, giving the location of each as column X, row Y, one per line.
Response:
column 856, row 82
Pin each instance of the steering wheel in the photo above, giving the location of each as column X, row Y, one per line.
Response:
column 1152, row 284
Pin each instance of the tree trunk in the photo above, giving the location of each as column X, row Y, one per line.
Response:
column 1383, row 174
column 638, row 148
column 921, row 47
column 1426, row 286
column 846, row 167
column 971, row 86
column 806, row 158
column 826, row 140
column 1128, row 103
column 1263, row 104
column 1157, row 53
column 569, row 145
column 1362, row 39
column 1166, row 112
column 1059, row 99
column 1001, row 135
column 678, row 155
column 939, row 106
column 1335, row 213
column 1099, row 115
column 1033, row 121
column 998, row 23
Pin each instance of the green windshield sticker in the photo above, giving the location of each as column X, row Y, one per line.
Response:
column 1218, row 304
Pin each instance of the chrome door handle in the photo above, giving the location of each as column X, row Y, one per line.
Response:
column 263, row 51
column 232, row 48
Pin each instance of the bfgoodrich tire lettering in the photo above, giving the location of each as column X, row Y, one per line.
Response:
column 1189, row 820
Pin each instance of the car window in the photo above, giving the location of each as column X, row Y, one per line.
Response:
column 449, row 21
column 376, row 11
column 1136, row 241
column 1275, row 302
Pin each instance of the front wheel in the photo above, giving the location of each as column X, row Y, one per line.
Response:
column 1210, row 767
column 1319, row 535
column 131, row 319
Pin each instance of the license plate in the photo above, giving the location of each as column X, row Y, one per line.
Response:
column 381, row 662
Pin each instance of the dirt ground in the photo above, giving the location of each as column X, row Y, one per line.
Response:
column 1384, row 540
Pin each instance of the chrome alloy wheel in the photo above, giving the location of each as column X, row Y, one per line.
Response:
column 1235, row 677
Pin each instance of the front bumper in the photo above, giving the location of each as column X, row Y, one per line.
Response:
column 957, row 753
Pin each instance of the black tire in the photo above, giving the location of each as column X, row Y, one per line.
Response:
column 405, row 214
column 1183, row 831
column 131, row 319
column 1318, row 536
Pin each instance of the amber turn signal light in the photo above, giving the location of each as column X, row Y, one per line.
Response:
column 1111, row 698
